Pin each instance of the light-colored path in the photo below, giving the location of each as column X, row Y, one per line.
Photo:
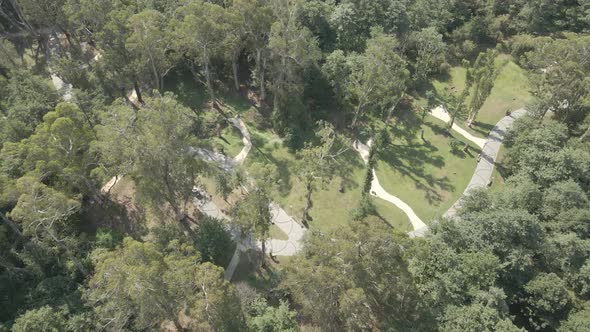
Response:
column 378, row 191
column 485, row 166
column 481, row 176
column 244, row 242
column 227, row 163
column 289, row 226
column 441, row 114
column 63, row 89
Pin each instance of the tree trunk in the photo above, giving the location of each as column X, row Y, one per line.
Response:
column 356, row 115
column 234, row 65
column 24, row 21
column 307, row 202
column 137, row 92
column 263, row 251
column 209, row 83
column 12, row 225
column 155, row 73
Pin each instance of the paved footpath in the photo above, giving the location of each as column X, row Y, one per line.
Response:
column 378, row 191
column 441, row 114
column 485, row 166
column 481, row 176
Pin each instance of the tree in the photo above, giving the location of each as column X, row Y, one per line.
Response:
column 44, row 213
column 481, row 77
column 252, row 214
column 316, row 163
column 257, row 19
column 355, row 279
column 292, row 49
column 548, row 300
column 430, row 53
column 28, row 98
column 149, row 44
column 128, row 287
column 138, row 286
column 160, row 140
column 235, row 40
column 476, row 317
column 200, row 33
column 378, row 77
column 59, row 151
column 44, row 319
column 578, row 321
column 214, row 241
column 117, row 60
column 271, row 319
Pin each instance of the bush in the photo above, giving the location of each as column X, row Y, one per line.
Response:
column 214, row 242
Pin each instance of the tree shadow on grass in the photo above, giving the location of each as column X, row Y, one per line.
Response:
column 409, row 161
column 482, row 128
column 261, row 154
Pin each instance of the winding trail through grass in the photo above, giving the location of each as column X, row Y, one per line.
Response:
column 441, row 114
column 378, row 191
column 481, row 176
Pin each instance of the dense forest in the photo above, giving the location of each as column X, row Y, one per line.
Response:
column 123, row 208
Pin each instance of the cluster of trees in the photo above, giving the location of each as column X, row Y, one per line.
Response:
column 516, row 259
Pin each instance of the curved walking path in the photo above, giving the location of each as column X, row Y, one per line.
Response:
column 441, row 114
column 485, row 165
column 227, row 163
column 481, row 176
column 378, row 191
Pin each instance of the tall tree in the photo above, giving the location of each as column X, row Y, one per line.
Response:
column 45, row 214
column 200, row 33
column 256, row 16
column 481, row 76
column 317, row 162
column 149, row 43
column 160, row 151
column 430, row 53
column 292, row 49
column 378, row 77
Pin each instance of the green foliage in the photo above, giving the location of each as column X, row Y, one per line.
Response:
column 155, row 144
column 214, row 242
column 44, row 319
column 28, row 98
column 365, row 285
column 577, row 322
column 273, row 319
column 548, row 300
column 145, row 286
column 105, row 238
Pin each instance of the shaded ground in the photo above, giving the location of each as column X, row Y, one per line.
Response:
column 424, row 173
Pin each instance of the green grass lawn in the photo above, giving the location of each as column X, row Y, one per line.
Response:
column 511, row 91
column 425, row 174
column 331, row 209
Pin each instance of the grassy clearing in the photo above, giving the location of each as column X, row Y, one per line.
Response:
column 424, row 173
column 331, row 209
column 511, row 91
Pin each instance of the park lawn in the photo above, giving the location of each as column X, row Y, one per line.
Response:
column 426, row 175
column 511, row 91
column 331, row 209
